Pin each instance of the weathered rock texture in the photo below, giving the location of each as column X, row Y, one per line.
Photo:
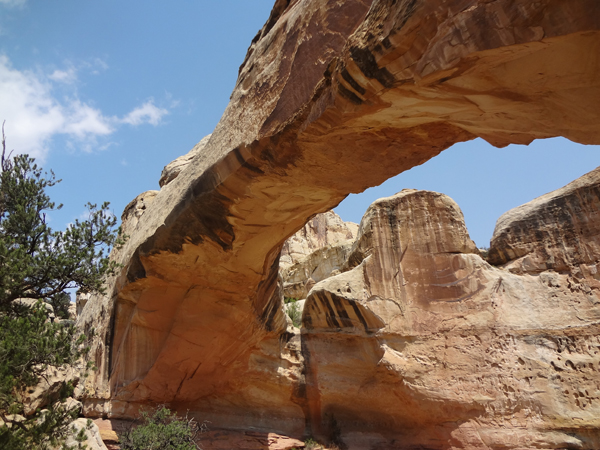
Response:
column 423, row 343
column 174, row 168
column 315, row 252
column 558, row 231
column 323, row 230
column 92, row 433
column 134, row 210
column 334, row 97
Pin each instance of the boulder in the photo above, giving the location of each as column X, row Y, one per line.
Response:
column 92, row 434
column 48, row 388
column 31, row 302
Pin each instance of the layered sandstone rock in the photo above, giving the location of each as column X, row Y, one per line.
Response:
column 299, row 278
column 558, row 231
column 323, row 230
column 315, row 252
column 424, row 344
column 334, row 97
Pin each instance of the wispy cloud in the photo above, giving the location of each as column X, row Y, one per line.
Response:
column 146, row 113
column 64, row 76
column 34, row 114
column 70, row 74
column 12, row 3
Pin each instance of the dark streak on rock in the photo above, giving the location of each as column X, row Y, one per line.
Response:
column 108, row 341
column 366, row 62
column 331, row 319
column 307, row 319
column 352, row 82
column 347, row 93
column 408, row 11
column 285, row 337
column 136, row 269
column 360, row 317
column 307, row 387
column 269, row 287
column 341, row 311
column 244, row 163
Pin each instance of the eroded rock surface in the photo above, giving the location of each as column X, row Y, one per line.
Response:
column 424, row 344
column 323, row 230
column 174, row 168
column 134, row 210
column 335, row 97
column 92, row 433
column 558, row 231
column 315, row 252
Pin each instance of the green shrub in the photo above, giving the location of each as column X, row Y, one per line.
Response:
column 162, row 430
column 293, row 311
column 40, row 264
column 311, row 444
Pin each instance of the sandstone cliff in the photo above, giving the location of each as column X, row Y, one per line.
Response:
column 424, row 344
column 334, row 97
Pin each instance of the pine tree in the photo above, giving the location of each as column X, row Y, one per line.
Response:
column 41, row 264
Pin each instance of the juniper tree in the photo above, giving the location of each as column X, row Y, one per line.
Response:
column 41, row 264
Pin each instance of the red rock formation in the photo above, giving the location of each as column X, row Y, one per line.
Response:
column 332, row 98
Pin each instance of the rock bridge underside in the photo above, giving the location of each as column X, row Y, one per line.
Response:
column 332, row 98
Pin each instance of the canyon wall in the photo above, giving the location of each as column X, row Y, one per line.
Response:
column 334, row 97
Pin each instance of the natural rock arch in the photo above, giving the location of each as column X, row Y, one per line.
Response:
column 333, row 97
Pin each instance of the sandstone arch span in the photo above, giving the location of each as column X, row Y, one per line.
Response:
column 333, row 97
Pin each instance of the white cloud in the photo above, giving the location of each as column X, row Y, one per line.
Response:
column 71, row 74
column 64, row 76
column 146, row 113
column 34, row 115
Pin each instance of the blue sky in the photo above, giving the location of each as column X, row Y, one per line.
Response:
column 107, row 93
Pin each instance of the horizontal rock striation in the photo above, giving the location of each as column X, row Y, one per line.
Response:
column 333, row 97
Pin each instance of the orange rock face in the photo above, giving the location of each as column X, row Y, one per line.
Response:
column 333, row 97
